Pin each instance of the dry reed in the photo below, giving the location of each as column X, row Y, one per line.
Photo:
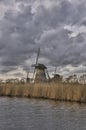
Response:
column 52, row 90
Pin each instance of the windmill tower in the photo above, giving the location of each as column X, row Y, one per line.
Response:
column 39, row 74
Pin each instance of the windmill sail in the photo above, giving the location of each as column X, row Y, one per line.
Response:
column 55, row 70
column 37, row 56
column 36, row 62
column 47, row 75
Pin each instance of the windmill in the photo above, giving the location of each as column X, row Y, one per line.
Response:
column 28, row 79
column 39, row 73
column 56, row 77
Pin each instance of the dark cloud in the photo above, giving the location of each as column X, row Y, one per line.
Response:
column 23, row 30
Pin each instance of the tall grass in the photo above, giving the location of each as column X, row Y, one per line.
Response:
column 52, row 90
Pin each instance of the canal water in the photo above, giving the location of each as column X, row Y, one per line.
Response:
column 37, row 114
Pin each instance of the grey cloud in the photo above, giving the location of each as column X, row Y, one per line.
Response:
column 4, row 69
column 79, row 38
column 83, row 22
column 79, row 70
column 19, row 74
column 24, row 31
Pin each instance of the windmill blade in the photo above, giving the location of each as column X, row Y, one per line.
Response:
column 36, row 62
column 34, row 73
column 47, row 74
column 55, row 70
column 37, row 56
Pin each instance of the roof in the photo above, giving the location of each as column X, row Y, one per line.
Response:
column 57, row 75
column 40, row 66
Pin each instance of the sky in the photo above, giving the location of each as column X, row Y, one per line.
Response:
column 58, row 27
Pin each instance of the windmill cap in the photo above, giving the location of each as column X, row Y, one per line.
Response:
column 40, row 66
column 57, row 74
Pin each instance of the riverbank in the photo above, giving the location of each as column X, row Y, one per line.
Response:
column 55, row 91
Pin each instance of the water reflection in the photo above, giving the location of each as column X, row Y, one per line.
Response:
column 36, row 114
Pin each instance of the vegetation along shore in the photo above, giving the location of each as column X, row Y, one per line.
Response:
column 56, row 91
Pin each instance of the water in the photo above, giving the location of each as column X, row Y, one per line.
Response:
column 35, row 114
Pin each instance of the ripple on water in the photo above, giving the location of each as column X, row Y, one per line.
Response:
column 35, row 114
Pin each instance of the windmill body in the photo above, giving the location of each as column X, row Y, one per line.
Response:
column 40, row 75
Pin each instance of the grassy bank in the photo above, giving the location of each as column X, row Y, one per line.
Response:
column 56, row 91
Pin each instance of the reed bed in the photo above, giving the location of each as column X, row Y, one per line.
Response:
column 52, row 90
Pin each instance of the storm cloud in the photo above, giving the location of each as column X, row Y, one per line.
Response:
column 58, row 27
